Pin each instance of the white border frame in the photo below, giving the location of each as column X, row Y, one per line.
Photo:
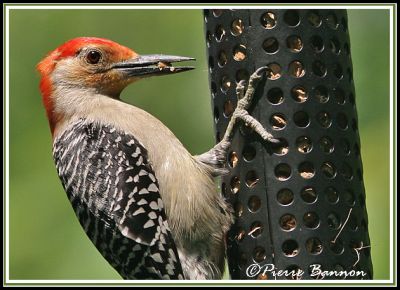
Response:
column 269, row 282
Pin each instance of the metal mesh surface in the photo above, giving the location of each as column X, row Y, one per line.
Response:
column 301, row 202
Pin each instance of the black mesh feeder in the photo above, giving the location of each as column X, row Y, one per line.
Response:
column 299, row 205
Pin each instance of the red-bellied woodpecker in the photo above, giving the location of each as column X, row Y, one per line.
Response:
column 149, row 206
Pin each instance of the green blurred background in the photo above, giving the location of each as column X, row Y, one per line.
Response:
column 46, row 240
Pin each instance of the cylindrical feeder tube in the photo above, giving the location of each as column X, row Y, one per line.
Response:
column 299, row 205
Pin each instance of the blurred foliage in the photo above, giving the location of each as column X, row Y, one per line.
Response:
column 46, row 240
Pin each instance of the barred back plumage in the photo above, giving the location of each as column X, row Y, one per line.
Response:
column 115, row 194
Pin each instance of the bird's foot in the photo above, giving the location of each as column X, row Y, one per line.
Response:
column 245, row 99
column 216, row 157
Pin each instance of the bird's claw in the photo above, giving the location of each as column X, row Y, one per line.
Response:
column 244, row 101
column 217, row 155
column 273, row 140
column 260, row 71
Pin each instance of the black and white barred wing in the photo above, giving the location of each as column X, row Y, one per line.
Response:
column 115, row 194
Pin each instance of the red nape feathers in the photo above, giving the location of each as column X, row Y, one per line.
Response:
column 46, row 89
column 70, row 48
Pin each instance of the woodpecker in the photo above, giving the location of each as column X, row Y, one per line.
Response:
column 149, row 206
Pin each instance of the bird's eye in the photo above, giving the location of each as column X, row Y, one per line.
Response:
column 93, row 56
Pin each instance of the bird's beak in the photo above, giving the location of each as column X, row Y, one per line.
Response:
column 152, row 64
